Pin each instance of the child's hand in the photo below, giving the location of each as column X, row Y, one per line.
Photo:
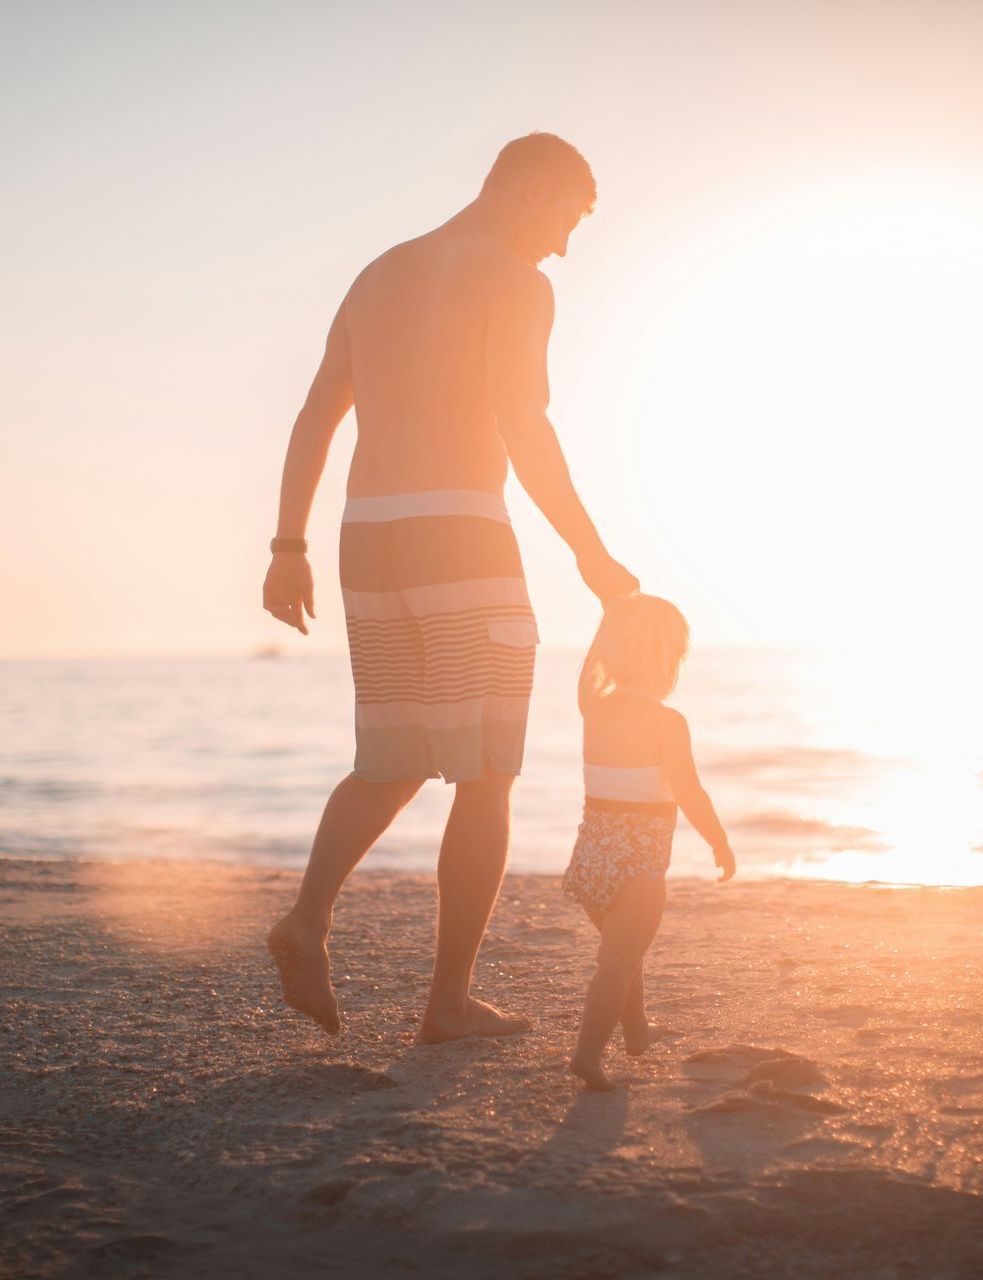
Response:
column 724, row 858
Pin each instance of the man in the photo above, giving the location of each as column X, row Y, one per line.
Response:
column 440, row 345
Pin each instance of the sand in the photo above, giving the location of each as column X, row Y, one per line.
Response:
column 815, row 1109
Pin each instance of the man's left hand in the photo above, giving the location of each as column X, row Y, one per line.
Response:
column 289, row 590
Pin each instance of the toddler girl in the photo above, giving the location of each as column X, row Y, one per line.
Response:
column 638, row 766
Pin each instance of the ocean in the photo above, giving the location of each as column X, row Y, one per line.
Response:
column 232, row 758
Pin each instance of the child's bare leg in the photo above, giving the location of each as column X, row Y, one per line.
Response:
column 634, row 1023
column 627, row 931
column 638, row 1032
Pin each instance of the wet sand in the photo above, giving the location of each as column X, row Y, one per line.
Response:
column 815, row 1109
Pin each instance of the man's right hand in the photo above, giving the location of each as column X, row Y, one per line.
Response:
column 606, row 577
column 724, row 858
column 289, row 589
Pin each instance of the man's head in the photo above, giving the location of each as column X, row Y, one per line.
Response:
column 547, row 187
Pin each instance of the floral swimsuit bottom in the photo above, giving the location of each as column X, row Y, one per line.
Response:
column 612, row 848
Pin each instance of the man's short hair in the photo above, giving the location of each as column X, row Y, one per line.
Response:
column 544, row 154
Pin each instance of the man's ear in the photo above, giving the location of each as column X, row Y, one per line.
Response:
column 537, row 192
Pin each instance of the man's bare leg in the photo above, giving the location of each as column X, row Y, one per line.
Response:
column 469, row 873
column 357, row 813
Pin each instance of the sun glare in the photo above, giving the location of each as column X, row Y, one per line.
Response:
column 813, row 380
column 929, row 822
column 818, row 386
column 918, row 712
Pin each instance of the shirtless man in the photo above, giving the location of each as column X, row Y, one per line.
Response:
column 440, row 345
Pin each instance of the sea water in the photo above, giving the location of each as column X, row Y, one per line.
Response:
column 232, row 758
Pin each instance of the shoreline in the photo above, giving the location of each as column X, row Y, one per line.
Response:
column 815, row 1108
column 746, row 875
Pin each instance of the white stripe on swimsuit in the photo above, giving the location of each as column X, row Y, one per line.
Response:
column 646, row 784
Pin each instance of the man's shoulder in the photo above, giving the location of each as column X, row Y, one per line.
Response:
column 523, row 287
column 490, row 259
column 493, row 272
column 522, row 275
column 379, row 264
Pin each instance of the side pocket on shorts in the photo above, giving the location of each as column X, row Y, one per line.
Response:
column 514, row 633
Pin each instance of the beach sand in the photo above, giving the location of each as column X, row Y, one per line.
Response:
column 815, row 1108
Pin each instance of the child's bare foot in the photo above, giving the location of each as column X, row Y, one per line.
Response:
column 477, row 1018
column 305, row 976
column 591, row 1072
column 638, row 1039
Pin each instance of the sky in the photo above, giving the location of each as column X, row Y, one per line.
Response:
column 764, row 363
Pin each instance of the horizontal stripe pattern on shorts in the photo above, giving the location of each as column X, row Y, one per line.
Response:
column 441, row 633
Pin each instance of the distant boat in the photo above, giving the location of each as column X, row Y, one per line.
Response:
column 268, row 651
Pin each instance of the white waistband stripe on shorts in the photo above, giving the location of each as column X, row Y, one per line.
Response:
column 428, row 502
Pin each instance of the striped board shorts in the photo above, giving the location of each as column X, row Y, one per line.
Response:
column 441, row 632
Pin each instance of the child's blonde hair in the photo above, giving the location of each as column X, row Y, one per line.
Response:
column 640, row 644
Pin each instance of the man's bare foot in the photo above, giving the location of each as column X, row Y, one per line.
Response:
column 305, row 976
column 476, row 1019
column 592, row 1073
column 638, row 1039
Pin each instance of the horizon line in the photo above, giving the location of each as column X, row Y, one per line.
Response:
column 267, row 652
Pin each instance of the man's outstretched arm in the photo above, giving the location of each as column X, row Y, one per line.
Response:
column 289, row 586
column 519, row 323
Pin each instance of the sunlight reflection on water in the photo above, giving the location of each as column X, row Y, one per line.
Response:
column 816, row 764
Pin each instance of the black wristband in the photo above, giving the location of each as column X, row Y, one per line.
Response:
column 297, row 545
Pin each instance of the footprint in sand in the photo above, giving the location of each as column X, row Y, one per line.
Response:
column 770, row 1078
column 325, row 1195
column 787, row 1072
column 733, row 1062
column 357, row 1079
column 846, row 1015
column 764, row 1097
column 764, row 1091
column 334, row 1077
column 729, row 1104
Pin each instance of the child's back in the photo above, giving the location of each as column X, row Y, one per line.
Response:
column 629, row 810
column 624, row 755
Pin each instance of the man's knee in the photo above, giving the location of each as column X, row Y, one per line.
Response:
column 491, row 790
column 386, row 795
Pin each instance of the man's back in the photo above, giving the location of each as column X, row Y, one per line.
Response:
column 416, row 324
column 441, row 348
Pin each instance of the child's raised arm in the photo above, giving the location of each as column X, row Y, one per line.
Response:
column 689, row 792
